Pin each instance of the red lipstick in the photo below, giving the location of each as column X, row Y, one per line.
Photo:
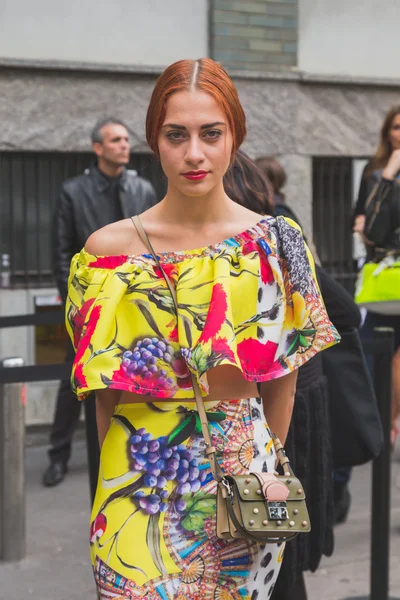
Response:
column 195, row 175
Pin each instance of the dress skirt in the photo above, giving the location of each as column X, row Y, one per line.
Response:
column 153, row 519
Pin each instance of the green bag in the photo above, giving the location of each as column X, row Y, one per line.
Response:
column 378, row 286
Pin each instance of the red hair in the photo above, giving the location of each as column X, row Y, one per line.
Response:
column 203, row 74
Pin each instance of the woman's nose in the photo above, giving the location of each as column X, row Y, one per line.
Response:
column 194, row 152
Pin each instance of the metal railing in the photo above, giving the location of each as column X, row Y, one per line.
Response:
column 13, row 377
column 332, row 212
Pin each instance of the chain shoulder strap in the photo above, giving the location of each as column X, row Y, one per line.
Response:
column 210, row 449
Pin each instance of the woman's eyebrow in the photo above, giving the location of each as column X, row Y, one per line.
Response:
column 174, row 126
column 207, row 125
column 182, row 127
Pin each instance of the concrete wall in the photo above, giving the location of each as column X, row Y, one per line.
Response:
column 259, row 35
column 349, row 37
column 126, row 32
column 57, row 109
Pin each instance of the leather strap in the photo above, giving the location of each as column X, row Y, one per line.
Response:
column 210, row 449
column 378, row 205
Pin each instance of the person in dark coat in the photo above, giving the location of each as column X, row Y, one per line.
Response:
column 308, row 444
column 384, row 168
column 105, row 193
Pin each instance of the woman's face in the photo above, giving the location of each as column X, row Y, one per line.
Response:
column 195, row 143
column 394, row 133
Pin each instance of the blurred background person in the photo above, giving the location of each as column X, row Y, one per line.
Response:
column 276, row 174
column 309, row 440
column 388, row 143
column 355, row 389
column 248, row 185
column 383, row 167
column 105, row 193
column 272, row 169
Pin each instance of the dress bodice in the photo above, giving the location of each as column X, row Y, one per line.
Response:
column 251, row 301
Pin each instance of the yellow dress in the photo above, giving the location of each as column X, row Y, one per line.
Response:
column 250, row 301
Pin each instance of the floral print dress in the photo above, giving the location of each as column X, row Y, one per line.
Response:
column 250, row 301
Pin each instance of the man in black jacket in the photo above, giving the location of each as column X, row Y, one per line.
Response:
column 105, row 193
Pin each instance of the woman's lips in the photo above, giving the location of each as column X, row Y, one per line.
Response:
column 193, row 176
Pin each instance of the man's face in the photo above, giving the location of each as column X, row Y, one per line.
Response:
column 114, row 149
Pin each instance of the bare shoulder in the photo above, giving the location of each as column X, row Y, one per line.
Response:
column 114, row 239
column 246, row 217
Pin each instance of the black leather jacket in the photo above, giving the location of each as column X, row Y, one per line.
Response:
column 82, row 209
column 382, row 219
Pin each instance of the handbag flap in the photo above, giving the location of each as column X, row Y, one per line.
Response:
column 249, row 488
column 256, row 515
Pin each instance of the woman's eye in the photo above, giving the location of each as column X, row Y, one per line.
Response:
column 213, row 134
column 175, row 135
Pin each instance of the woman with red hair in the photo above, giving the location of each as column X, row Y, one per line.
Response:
column 248, row 311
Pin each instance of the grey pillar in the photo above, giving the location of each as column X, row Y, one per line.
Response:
column 12, row 480
column 298, row 189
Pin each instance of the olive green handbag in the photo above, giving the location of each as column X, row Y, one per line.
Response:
column 262, row 507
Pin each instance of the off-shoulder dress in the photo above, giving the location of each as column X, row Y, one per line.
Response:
column 251, row 302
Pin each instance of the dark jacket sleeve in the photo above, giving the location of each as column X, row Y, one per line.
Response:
column 363, row 192
column 342, row 310
column 149, row 193
column 281, row 209
column 382, row 220
column 64, row 242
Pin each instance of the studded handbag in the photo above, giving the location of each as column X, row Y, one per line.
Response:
column 262, row 507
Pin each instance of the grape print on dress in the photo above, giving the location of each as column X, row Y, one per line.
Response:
column 153, row 520
column 155, row 364
column 160, row 463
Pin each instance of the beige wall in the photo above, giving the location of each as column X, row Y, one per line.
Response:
column 127, row 32
column 349, row 37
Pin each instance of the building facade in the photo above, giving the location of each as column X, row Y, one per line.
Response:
column 315, row 78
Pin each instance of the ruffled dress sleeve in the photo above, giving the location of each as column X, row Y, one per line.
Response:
column 251, row 301
column 292, row 322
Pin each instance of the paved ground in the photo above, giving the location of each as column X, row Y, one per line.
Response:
column 57, row 565
column 346, row 574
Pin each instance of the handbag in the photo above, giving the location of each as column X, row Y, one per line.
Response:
column 378, row 281
column 357, row 434
column 378, row 285
column 262, row 507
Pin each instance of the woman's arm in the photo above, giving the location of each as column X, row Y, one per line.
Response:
column 278, row 402
column 393, row 167
column 106, row 401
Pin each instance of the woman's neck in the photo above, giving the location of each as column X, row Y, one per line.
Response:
column 192, row 211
